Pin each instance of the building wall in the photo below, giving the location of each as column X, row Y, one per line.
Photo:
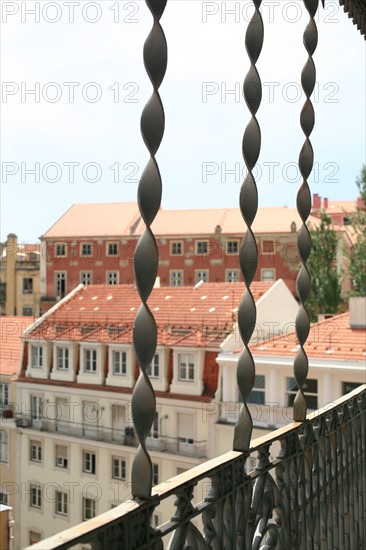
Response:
column 100, row 486
column 217, row 262
column 275, row 411
column 15, row 266
column 8, row 471
column 95, row 419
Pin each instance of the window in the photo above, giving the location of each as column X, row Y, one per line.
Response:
column 37, row 357
column 153, row 369
column 35, row 496
column 119, row 362
column 201, row 247
column 155, row 474
column 88, row 508
column 35, row 451
column 60, row 283
column 310, row 389
column 232, row 275
column 86, row 249
column 268, row 247
column 89, row 462
column 232, row 247
column 27, row 311
column 349, row 386
column 4, row 395
column 112, row 249
column 86, row 277
column 60, row 250
column 4, row 498
column 3, row 446
column 34, row 537
column 201, row 275
column 186, row 367
column 176, row 278
column 257, row 395
column 268, row 274
column 27, row 285
column 118, row 468
column 155, row 427
column 90, row 360
column 36, row 407
column 176, row 248
column 62, row 358
column 61, row 456
column 112, row 277
column 61, row 503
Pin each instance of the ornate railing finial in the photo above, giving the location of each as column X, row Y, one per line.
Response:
column 252, row 91
column 306, row 160
column 146, row 254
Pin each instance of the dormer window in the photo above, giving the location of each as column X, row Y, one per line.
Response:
column 153, row 370
column 119, row 363
column 186, row 367
column 37, row 357
column 90, row 360
column 62, row 358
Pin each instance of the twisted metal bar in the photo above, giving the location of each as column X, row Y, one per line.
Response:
column 146, row 254
column 252, row 91
column 306, row 160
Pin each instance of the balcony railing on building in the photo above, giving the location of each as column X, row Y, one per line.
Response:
column 118, row 436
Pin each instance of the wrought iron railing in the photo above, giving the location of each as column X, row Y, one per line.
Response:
column 312, row 495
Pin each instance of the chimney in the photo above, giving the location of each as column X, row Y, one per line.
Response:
column 316, row 201
column 325, row 202
column 11, row 260
column 360, row 203
column 357, row 312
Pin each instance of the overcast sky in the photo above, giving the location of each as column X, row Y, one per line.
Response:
column 77, row 137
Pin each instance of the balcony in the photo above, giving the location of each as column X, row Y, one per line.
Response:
column 312, row 495
column 125, row 436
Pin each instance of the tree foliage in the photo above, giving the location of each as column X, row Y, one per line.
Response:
column 325, row 296
column 357, row 254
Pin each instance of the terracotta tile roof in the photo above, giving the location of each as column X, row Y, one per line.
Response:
column 184, row 315
column 23, row 250
column 96, row 220
column 339, row 207
column 123, row 219
column 11, row 330
column 332, row 339
column 205, row 221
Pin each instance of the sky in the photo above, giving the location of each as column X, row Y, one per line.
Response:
column 74, row 86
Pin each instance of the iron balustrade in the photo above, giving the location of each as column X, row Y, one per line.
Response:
column 126, row 436
column 311, row 495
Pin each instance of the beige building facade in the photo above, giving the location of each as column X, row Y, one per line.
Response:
column 19, row 278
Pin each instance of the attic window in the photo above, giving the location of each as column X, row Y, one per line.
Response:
column 212, row 309
column 60, row 328
column 87, row 329
column 115, row 329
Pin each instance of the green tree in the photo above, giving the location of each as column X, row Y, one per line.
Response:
column 357, row 254
column 325, row 296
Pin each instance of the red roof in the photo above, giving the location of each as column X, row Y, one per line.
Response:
column 184, row 315
column 123, row 219
column 11, row 331
column 332, row 339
